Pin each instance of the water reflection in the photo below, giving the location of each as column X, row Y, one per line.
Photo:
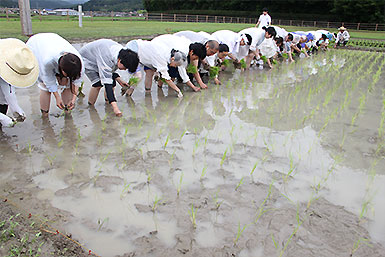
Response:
column 297, row 118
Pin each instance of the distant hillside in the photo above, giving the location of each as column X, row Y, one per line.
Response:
column 113, row 5
column 41, row 4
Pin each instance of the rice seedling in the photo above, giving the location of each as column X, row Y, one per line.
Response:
column 155, row 203
column 50, row 159
column 358, row 243
column 179, row 185
column 203, row 173
column 192, row 213
column 171, row 158
column 166, row 142
column 61, row 141
column 276, row 245
column 214, row 71
column 261, row 208
column 281, row 253
column 239, row 184
column 101, row 222
column 224, row 157
column 191, row 69
column 79, row 138
column 254, row 167
column 149, row 176
column 125, row 190
column 239, row 233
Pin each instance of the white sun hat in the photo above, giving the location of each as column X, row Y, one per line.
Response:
column 18, row 64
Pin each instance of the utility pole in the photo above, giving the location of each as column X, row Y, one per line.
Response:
column 25, row 17
column 80, row 16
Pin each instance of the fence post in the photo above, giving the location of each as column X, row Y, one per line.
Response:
column 174, row 17
column 25, row 17
column 40, row 15
column 376, row 27
column 250, row 21
column 315, row 24
column 328, row 24
column 112, row 15
column 68, row 15
column 197, row 18
column 216, row 18
column 147, row 16
column 207, row 18
column 186, row 17
column 279, row 22
column 238, row 20
column 6, row 13
column 161, row 17
column 231, row 19
column 92, row 16
column 302, row 24
column 291, row 23
column 358, row 26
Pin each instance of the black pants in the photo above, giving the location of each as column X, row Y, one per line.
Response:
column 109, row 88
column 4, row 108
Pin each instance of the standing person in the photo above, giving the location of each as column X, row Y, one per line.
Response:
column 264, row 19
column 18, row 68
column 101, row 59
column 342, row 37
column 61, row 69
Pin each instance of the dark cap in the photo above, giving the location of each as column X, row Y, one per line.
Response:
column 264, row 10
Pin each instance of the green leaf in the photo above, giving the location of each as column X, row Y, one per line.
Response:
column 226, row 63
column 243, row 64
column 214, row 71
column 191, row 69
column 133, row 81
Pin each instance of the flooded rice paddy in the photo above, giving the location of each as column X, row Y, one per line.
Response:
column 282, row 162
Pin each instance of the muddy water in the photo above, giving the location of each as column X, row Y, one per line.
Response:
column 266, row 155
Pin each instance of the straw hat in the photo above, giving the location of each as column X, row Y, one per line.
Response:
column 342, row 28
column 18, row 64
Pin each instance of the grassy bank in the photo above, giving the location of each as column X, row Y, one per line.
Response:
column 102, row 28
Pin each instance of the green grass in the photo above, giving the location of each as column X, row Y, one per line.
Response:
column 102, row 27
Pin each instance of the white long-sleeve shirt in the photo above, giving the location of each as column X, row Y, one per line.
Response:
column 232, row 40
column 257, row 35
column 8, row 97
column 154, row 55
column 281, row 32
column 342, row 37
column 193, row 36
column 169, row 42
column 48, row 48
column 101, row 56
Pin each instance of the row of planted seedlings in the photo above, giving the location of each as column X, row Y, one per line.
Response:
column 163, row 135
column 343, row 106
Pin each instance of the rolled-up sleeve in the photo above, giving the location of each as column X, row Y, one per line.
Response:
column 183, row 74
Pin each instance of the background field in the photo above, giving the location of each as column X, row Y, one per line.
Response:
column 101, row 27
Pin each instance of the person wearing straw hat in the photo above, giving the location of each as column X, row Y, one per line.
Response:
column 18, row 68
column 342, row 37
column 61, row 68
